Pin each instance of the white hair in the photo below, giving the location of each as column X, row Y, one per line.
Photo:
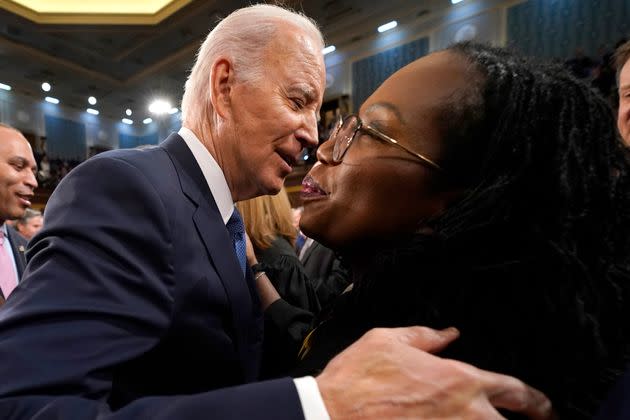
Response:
column 241, row 36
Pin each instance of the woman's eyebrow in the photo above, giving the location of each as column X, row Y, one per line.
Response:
column 388, row 106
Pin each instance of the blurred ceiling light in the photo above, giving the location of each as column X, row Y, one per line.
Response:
column 92, row 100
column 147, row 121
column 128, row 112
column 51, row 100
column 5, row 87
column 127, row 121
column 92, row 111
column 329, row 49
column 159, row 106
column 46, row 87
column 387, row 26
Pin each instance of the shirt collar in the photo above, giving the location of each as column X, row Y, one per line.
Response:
column 211, row 172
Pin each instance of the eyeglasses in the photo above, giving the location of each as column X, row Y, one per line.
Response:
column 346, row 130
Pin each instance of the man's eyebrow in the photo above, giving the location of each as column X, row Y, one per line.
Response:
column 19, row 160
column 308, row 92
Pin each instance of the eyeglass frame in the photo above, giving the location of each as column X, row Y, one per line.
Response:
column 374, row 133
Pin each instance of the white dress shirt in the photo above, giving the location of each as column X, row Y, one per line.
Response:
column 312, row 404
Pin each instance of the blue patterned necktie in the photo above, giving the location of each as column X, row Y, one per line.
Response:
column 237, row 232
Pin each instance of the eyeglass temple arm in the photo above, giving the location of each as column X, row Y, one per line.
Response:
column 388, row 139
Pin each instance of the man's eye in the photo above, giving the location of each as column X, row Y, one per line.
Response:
column 299, row 104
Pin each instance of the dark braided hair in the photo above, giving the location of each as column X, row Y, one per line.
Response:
column 532, row 264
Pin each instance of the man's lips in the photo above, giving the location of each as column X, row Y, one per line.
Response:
column 311, row 189
column 25, row 198
column 288, row 158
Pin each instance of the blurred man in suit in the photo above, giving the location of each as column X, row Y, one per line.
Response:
column 17, row 185
column 137, row 303
column 622, row 60
column 30, row 223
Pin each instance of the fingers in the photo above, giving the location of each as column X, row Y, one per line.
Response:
column 510, row 393
column 426, row 339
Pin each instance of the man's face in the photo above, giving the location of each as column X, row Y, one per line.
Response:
column 623, row 119
column 17, row 174
column 272, row 119
column 31, row 227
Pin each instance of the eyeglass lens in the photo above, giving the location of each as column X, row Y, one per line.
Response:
column 344, row 136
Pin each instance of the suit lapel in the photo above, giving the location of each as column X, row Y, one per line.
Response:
column 18, row 247
column 214, row 235
column 308, row 252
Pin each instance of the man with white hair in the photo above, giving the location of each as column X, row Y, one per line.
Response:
column 137, row 303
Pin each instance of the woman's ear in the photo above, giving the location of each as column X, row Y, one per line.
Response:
column 221, row 83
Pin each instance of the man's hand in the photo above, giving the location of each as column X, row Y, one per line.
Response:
column 388, row 374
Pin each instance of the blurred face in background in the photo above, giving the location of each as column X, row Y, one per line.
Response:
column 17, row 174
column 297, row 215
column 31, row 227
column 623, row 119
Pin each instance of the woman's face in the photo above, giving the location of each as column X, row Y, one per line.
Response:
column 379, row 191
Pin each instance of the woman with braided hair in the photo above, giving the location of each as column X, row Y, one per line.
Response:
column 480, row 190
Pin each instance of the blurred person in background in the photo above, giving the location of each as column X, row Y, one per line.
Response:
column 622, row 61
column 29, row 224
column 17, row 186
column 269, row 225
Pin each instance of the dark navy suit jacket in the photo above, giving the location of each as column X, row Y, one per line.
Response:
column 617, row 405
column 133, row 290
column 18, row 245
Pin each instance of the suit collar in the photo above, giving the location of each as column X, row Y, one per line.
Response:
column 212, row 173
column 18, row 247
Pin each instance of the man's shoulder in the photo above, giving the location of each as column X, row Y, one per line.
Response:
column 15, row 237
column 146, row 153
column 147, row 160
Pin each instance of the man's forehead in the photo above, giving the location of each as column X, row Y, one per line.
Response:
column 12, row 142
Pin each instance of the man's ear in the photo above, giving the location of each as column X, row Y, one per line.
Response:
column 221, row 84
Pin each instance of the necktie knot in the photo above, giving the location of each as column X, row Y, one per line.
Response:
column 237, row 231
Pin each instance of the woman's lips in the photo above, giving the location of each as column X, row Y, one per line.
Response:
column 311, row 189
